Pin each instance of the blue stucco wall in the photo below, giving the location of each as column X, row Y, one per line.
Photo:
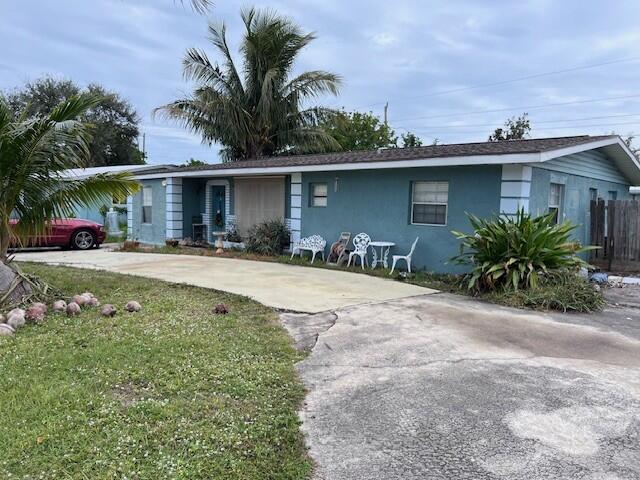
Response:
column 378, row 202
column 193, row 198
column 154, row 232
column 578, row 173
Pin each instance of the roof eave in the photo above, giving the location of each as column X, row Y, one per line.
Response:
column 614, row 147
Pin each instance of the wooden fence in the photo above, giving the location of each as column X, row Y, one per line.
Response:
column 615, row 227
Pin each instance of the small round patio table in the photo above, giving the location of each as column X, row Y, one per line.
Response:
column 384, row 253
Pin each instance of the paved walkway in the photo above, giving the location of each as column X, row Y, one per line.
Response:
column 277, row 285
column 445, row 387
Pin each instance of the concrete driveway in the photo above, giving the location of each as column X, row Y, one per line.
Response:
column 274, row 284
column 443, row 387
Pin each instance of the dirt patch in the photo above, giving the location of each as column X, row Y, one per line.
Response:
column 129, row 393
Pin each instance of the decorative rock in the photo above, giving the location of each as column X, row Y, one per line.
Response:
column 6, row 330
column 35, row 313
column 132, row 306
column 41, row 306
column 16, row 318
column 88, row 294
column 73, row 309
column 108, row 310
column 220, row 309
column 59, row 306
column 93, row 302
column 79, row 300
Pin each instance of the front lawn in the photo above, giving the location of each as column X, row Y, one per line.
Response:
column 173, row 391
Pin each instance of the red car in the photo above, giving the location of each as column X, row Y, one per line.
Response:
column 71, row 233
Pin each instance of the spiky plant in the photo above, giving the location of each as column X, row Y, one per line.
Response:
column 514, row 251
column 256, row 108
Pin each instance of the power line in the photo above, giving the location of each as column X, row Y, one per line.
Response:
column 512, row 80
column 525, row 107
column 535, row 122
column 533, row 128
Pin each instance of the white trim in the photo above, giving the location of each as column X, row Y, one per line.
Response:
column 129, row 217
column 173, row 208
column 295, row 207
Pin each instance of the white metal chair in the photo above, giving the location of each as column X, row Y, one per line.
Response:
column 361, row 244
column 406, row 258
column 315, row 244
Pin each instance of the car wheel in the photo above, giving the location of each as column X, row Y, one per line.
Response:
column 83, row 240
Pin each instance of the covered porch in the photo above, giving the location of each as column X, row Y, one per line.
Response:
column 197, row 207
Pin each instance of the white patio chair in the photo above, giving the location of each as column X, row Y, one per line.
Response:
column 314, row 244
column 361, row 244
column 406, row 258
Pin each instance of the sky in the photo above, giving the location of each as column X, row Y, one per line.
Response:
column 449, row 70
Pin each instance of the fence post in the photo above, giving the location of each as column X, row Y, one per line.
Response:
column 611, row 241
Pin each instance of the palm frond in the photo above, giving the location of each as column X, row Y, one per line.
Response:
column 259, row 110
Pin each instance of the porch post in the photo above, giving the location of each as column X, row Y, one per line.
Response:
column 130, row 217
column 515, row 188
column 174, row 208
column 295, row 216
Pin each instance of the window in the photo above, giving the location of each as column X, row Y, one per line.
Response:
column 593, row 194
column 318, row 194
column 429, row 203
column 555, row 200
column 613, row 195
column 147, row 195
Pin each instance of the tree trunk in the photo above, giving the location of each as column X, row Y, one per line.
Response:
column 4, row 241
column 13, row 288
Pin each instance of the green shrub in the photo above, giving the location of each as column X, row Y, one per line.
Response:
column 564, row 291
column 514, row 251
column 267, row 238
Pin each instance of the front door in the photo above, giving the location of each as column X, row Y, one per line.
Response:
column 219, row 213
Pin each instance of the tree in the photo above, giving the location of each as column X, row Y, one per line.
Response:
column 357, row 131
column 516, row 128
column 114, row 121
column 34, row 153
column 193, row 162
column 410, row 140
column 255, row 109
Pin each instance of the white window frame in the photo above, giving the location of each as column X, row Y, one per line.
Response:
column 314, row 196
column 446, row 205
column 144, row 220
column 559, row 206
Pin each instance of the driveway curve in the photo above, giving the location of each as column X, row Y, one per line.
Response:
column 287, row 287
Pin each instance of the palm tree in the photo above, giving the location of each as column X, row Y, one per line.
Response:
column 33, row 155
column 258, row 109
column 200, row 6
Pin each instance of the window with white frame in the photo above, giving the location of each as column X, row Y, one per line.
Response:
column 318, row 194
column 147, row 196
column 555, row 200
column 429, row 202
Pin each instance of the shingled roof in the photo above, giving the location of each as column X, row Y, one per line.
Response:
column 535, row 145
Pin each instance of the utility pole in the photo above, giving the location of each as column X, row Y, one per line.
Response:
column 386, row 108
column 144, row 143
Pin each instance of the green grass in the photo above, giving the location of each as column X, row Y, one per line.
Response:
column 171, row 392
